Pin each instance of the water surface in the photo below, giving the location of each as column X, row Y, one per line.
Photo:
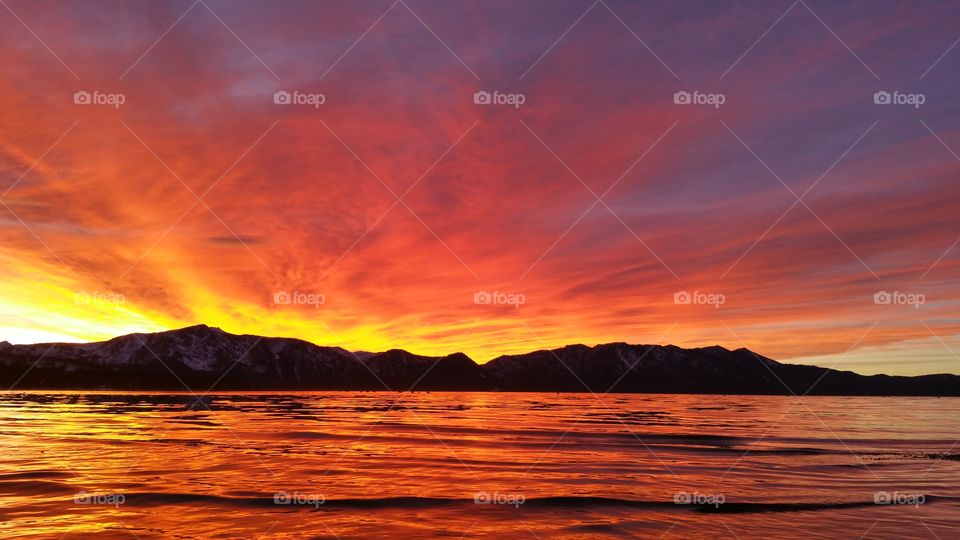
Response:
column 475, row 465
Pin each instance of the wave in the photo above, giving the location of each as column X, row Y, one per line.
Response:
column 30, row 475
column 547, row 439
column 559, row 502
column 34, row 487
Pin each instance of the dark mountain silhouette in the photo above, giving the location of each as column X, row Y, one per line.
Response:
column 200, row 358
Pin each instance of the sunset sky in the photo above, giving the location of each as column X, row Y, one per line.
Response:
column 199, row 199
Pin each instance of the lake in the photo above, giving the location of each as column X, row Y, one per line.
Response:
column 476, row 465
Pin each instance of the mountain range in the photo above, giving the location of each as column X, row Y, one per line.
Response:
column 199, row 358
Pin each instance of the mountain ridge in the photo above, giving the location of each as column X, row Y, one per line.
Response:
column 201, row 357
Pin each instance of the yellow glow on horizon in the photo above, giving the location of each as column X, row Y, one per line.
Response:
column 45, row 307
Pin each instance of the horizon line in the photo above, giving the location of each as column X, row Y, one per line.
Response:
column 544, row 349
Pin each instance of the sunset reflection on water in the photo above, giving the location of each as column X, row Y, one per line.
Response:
column 348, row 464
